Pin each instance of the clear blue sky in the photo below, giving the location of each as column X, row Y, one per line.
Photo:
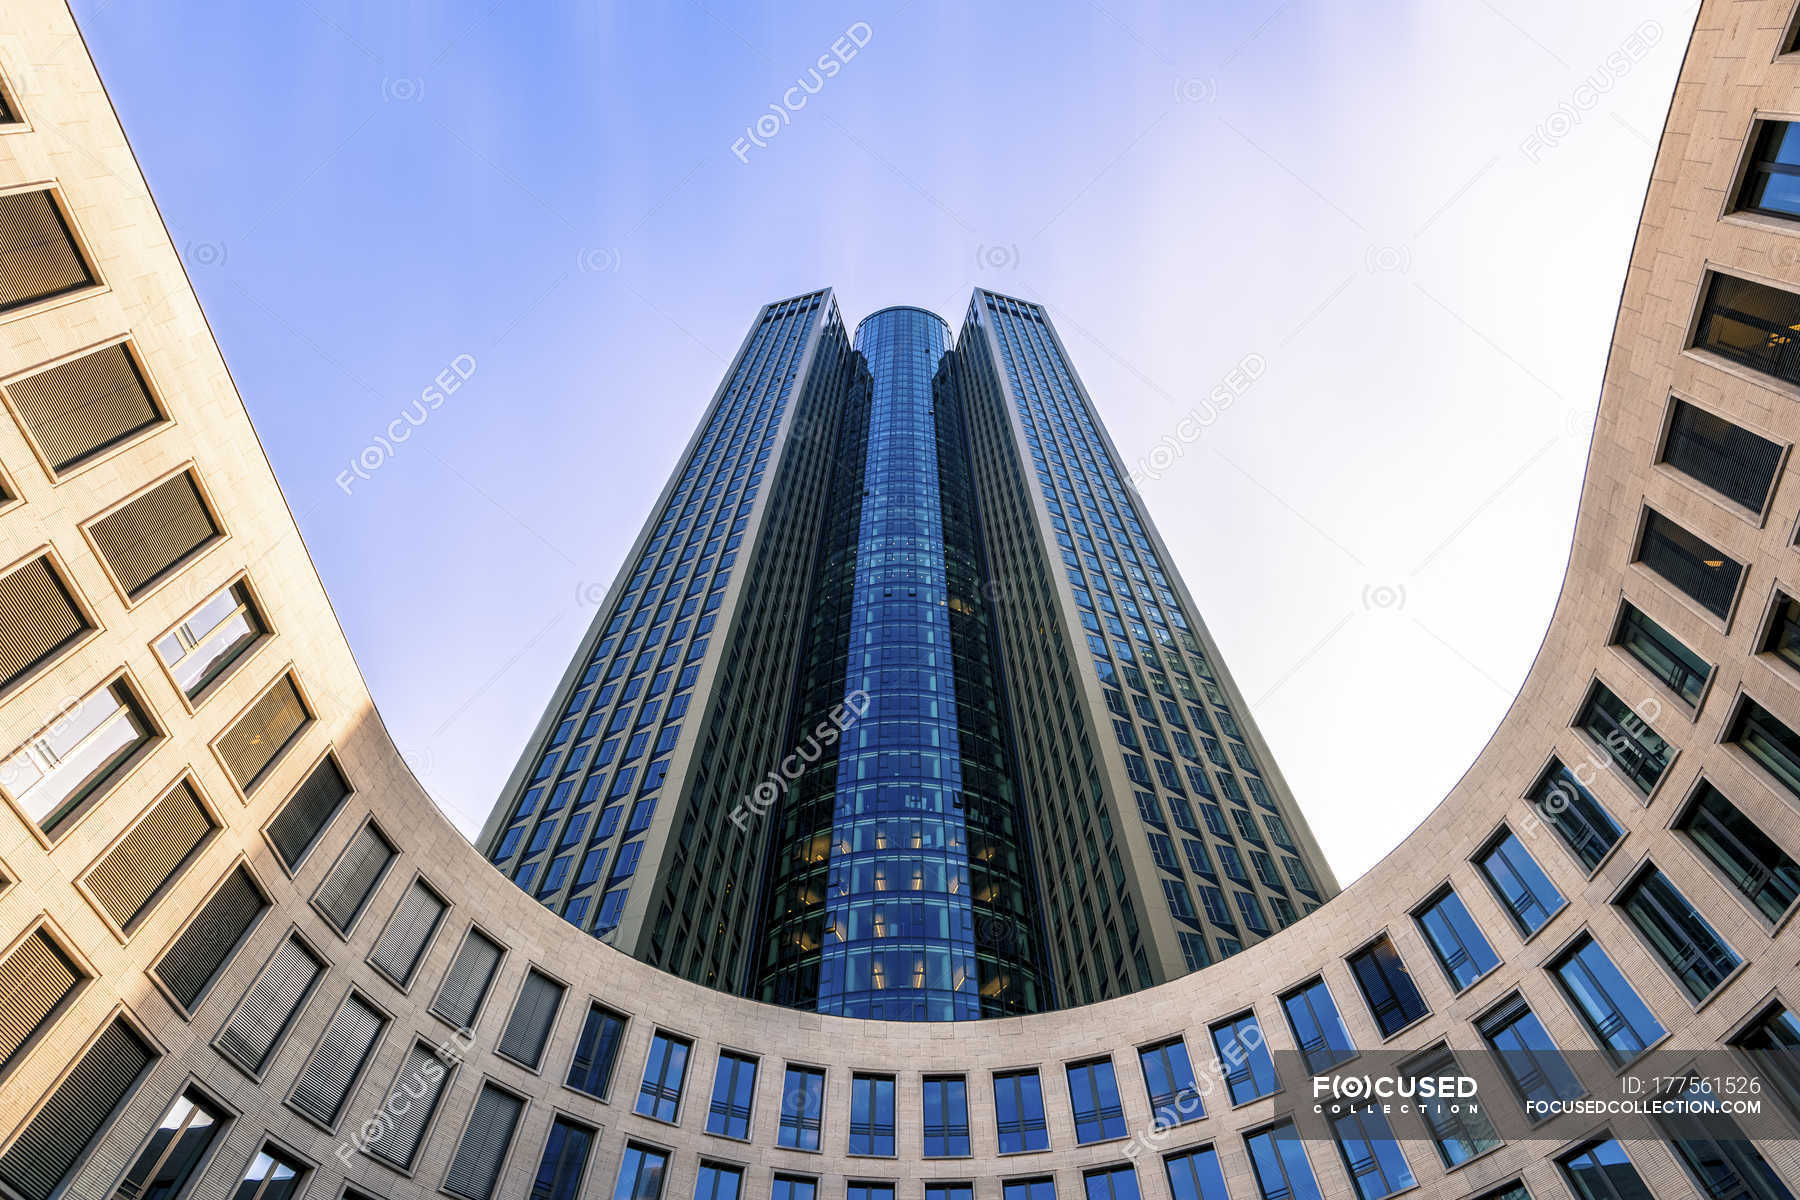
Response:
column 1418, row 215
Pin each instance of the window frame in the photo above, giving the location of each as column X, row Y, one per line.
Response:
column 242, row 659
column 84, row 251
column 181, row 566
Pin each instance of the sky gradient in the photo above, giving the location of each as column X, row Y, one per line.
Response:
column 1413, row 218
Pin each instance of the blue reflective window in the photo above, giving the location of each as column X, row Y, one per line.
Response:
column 1019, row 1112
column 1244, row 1056
column 1606, row 1001
column 1457, row 942
column 1526, row 893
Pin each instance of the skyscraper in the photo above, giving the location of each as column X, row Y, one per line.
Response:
column 899, row 708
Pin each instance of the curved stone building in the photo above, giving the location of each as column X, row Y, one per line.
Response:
column 243, row 955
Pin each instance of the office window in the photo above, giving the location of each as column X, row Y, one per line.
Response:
column 402, row 943
column 1772, row 1045
column 1019, row 1112
column 717, row 1181
column 1681, row 937
column 533, row 1016
column 307, row 812
column 659, row 1096
column 1043, row 1187
column 1637, row 752
column 35, row 981
column 1583, row 826
column 1195, row 1175
column 1244, row 1055
column 1371, row 1154
column 272, row 1175
column 70, row 764
column 802, row 1108
column 565, row 1162
column 949, row 1191
column 1533, row 1064
column 1319, row 1031
column 1521, row 886
column 1601, row 1171
column 1460, row 947
column 335, row 1064
column 1094, row 1095
column 1278, row 1158
column 597, row 1051
column 1783, row 638
column 56, row 1139
column 421, row 1082
column 269, row 1005
column 1705, row 574
column 1605, row 1000
column 1722, row 1162
column 1660, row 653
column 136, row 872
column 1110, row 1183
column 196, row 957
column 792, row 1187
column 1387, row 987
column 642, row 1172
column 1772, row 185
column 38, row 256
column 1458, row 1129
column 465, row 985
column 85, row 406
column 155, row 533
column 200, row 650
column 734, row 1091
column 259, row 737
column 1750, row 323
column 1758, row 868
column 475, row 1169
column 340, row 899
column 39, row 619
column 1724, row 457
column 1169, row 1080
column 946, row 1117
column 1774, row 747
column 176, row 1151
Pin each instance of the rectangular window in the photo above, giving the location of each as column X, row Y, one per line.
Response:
column 307, row 812
column 1194, row 1175
column 1278, row 1157
column 597, row 1051
column 1387, row 987
column 1244, row 1056
column 786, row 1187
column 421, row 1083
column 402, row 943
column 272, row 1175
column 1531, row 1061
column 734, row 1091
column 1681, row 937
column 1370, row 1153
column 71, row 763
column 1318, row 1029
column 38, row 256
column 56, row 1139
column 196, row 957
column 1458, row 1129
column 1169, row 1079
column 176, row 1151
column 533, row 1016
column 1521, row 886
column 945, row 1191
column 475, row 1170
column 1094, row 1095
column 259, row 737
column 1772, row 185
column 1110, row 1183
column 130, row 877
column 1774, row 746
column 39, row 619
column 1635, row 749
column 1019, row 1112
column 353, row 878
column 36, row 980
column 802, row 1108
column 465, row 985
column 643, row 1171
column 717, row 1181
column 1659, row 652
column 946, row 1117
column 1751, row 324
column 1704, row 574
column 154, row 534
column 1783, row 638
column 333, row 1067
column 1043, row 1187
column 1772, row 1045
column 659, row 1096
column 202, row 649
column 1722, row 1162
column 270, row 1005
column 1762, row 872
column 1571, row 810
column 1600, row 1170
column 1458, row 944
column 85, row 406
column 565, row 1162
column 1605, row 1001
column 872, row 1115
column 1721, row 456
